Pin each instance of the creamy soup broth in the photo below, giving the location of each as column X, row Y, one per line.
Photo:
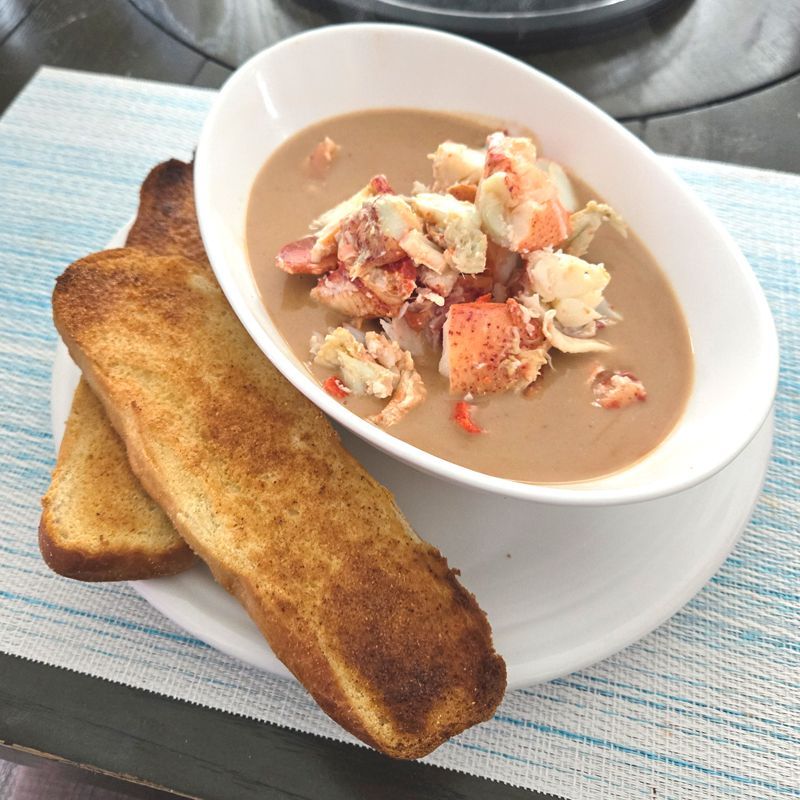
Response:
column 553, row 435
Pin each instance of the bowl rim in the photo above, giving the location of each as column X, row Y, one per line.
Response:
column 569, row 493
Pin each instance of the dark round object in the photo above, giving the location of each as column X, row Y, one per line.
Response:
column 689, row 55
column 517, row 18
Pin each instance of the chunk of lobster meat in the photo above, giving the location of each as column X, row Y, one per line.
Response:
column 319, row 161
column 296, row 258
column 428, row 294
column 328, row 225
column 370, row 236
column 569, row 344
column 455, row 226
column 426, row 317
column 546, row 227
column 410, row 392
column 517, row 201
column 392, row 284
column 524, row 368
column 466, row 192
column 360, row 372
column 351, row 298
column 586, row 223
column 570, row 285
column 531, row 327
column 335, row 388
column 490, row 347
column 377, row 367
column 442, row 283
column 423, row 252
column 616, row 389
column 523, row 226
column 514, row 157
column 387, row 352
column 454, row 163
column 563, row 185
column 462, row 414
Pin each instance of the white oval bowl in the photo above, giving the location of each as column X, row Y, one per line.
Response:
column 339, row 69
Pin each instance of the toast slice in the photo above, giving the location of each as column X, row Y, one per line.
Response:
column 368, row 616
column 97, row 523
column 94, row 525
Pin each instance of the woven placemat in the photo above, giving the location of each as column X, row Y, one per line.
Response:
column 707, row 705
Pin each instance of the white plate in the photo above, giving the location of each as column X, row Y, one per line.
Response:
column 563, row 587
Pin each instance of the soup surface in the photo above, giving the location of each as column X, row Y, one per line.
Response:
column 552, row 434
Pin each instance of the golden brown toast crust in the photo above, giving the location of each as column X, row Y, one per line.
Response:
column 166, row 223
column 112, row 545
column 368, row 617
column 97, row 523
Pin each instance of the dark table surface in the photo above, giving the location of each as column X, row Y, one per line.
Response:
column 716, row 79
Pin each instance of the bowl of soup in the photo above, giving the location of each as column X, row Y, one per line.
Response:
column 477, row 271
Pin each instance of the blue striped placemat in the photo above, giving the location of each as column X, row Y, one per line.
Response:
column 708, row 705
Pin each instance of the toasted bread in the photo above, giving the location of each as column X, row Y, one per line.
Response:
column 97, row 522
column 95, row 514
column 166, row 223
column 368, row 616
